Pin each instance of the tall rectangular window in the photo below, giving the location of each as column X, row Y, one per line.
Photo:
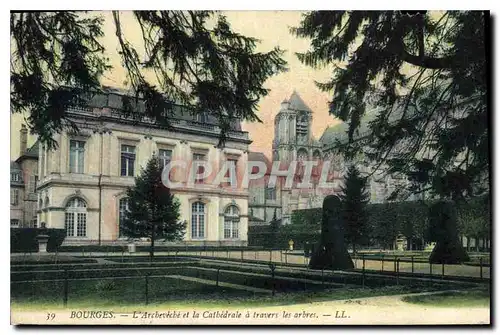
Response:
column 14, row 197
column 32, row 184
column 76, row 156
column 270, row 193
column 14, row 176
column 228, row 174
column 198, row 220
column 201, row 169
column 127, row 160
column 164, row 157
column 69, row 224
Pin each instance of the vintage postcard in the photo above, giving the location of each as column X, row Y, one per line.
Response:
column 250, row 168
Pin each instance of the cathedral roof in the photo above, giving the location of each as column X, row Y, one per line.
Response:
column 296, row 103
column 339, row 131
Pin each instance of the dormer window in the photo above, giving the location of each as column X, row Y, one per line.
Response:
column 201, row 117
column 15, row 176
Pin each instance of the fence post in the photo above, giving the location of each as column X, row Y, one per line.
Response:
column 286, row 257
column 270, row 255
column 412, row 268
column 146, row 289
column 273, row 267
column 123, row 252
column 363, row 272
column 281, row 256
column 242, row 255
column 323, row 276
column 217, row 281
column 397, row 272
column 395, row 260
column 430, row 270
column 65, row 298
column 383, row 262
column 442, row 269
column 481, row 268
column 227, row 252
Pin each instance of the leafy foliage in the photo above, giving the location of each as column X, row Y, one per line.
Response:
column 152, row 210
column 474, row 217
column 354, row 199
column 199, row 62
column 426, row 74
column 309, row 218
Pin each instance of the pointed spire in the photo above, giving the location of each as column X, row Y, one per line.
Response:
column 297, row 103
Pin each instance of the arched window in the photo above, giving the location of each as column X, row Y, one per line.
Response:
column 302, row 155
column 122, row 212
column 317, row 155
column 40, row 204
column 75, row 218
column 46, row 201
column 231, row 222
column 198, row 220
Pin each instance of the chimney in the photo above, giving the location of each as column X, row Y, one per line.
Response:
column 23, row 139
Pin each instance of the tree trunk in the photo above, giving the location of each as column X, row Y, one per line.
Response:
column 152, row 247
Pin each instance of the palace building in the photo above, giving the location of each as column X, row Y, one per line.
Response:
column 82, row 184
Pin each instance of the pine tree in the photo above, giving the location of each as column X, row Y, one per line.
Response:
column 58, row 59
column 354, row 199
column 419, row 81
column 153, row 211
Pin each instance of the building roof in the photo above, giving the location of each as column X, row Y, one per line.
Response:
column 14, row 166
column 113, row 98
column 32, row 152
column 259, row 157
column 296, row 103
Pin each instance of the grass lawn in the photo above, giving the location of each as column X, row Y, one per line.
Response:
column 453, row 299
column 129, row 294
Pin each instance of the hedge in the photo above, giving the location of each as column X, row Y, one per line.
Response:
column 384, row 222
column 24, row 239
column 145, row 248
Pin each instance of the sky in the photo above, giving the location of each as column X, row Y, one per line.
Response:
column 272, row 29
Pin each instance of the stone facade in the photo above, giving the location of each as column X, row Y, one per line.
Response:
column 98, row 164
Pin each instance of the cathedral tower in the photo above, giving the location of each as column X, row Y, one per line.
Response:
column 292, row 131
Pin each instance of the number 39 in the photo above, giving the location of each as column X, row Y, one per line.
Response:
column 51, row 316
